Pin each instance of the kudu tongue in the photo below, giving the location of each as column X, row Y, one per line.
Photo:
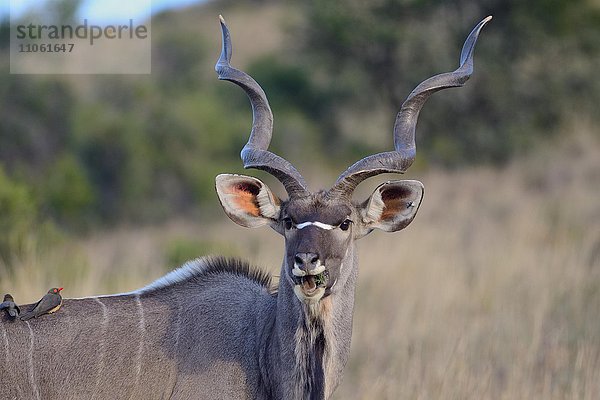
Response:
column 308, row 283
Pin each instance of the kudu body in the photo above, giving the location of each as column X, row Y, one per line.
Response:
column 216, row 328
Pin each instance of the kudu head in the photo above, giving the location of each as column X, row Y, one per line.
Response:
column 319, row 228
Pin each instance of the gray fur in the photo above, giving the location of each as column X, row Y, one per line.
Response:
column 214, row 329
column 218, row 329
column 199, row 350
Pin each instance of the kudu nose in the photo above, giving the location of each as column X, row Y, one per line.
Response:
column 306, row 261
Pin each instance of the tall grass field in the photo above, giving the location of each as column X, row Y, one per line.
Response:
column 493, row 292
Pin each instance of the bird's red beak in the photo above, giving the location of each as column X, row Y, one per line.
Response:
column 59, row 289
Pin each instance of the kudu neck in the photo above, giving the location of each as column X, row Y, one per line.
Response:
column 311, row 343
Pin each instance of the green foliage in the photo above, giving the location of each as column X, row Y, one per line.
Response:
column 63, row 11
column 387, row 47
column 177, row 65
column 4, row 33
column 80, row 151
column 181, row 250
column 17, row 217
column 34, row 123
column 299, row 101
column 68, row 192
column 288, row 86
column 113, row 151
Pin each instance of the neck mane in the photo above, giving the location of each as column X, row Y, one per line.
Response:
column 198, row 270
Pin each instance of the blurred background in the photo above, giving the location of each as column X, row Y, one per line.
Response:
column 493, row 292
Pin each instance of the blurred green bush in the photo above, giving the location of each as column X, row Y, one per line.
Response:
column 535, row 66
column 76, row 152
column 17, row 217
column 181, row 250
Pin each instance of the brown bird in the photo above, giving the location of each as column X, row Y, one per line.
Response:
column 10, row 306
column 48, row 304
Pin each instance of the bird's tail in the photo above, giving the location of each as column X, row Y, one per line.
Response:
column 27, row 316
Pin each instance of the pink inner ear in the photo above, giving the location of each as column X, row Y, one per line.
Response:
column 246, row 187
column 244, row 197
column 391, row 209
column 395, row 193
column 395, row 200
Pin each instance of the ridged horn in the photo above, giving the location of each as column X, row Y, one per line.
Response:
column 403, row 156
column 255, row 153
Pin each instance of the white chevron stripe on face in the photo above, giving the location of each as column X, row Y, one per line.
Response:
column 315, row 223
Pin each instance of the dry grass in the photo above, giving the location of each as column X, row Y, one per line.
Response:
column 495, row 292
column 492, row 293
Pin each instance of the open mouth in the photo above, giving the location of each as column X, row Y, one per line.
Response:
column 310, row 283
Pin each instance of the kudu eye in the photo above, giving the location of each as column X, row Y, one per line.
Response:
column 345, row 225
column 288, row 223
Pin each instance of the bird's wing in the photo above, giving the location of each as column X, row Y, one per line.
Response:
column 36, row 305
column 48, row 303
column 4, row 305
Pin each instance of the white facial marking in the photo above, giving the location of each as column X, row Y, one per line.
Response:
column 297, row 271
column 314, row 298
column 318, row 269
column 315, row 223
column 315, row 271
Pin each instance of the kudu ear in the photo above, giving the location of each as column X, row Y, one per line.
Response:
column 392, row 206
column 247, row 200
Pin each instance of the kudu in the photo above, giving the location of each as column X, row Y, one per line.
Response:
column 216, row 328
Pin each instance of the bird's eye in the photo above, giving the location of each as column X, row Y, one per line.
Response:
column 288, row 223
column 345, row 225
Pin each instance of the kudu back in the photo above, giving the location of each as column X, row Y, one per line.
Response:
column 218, row 328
